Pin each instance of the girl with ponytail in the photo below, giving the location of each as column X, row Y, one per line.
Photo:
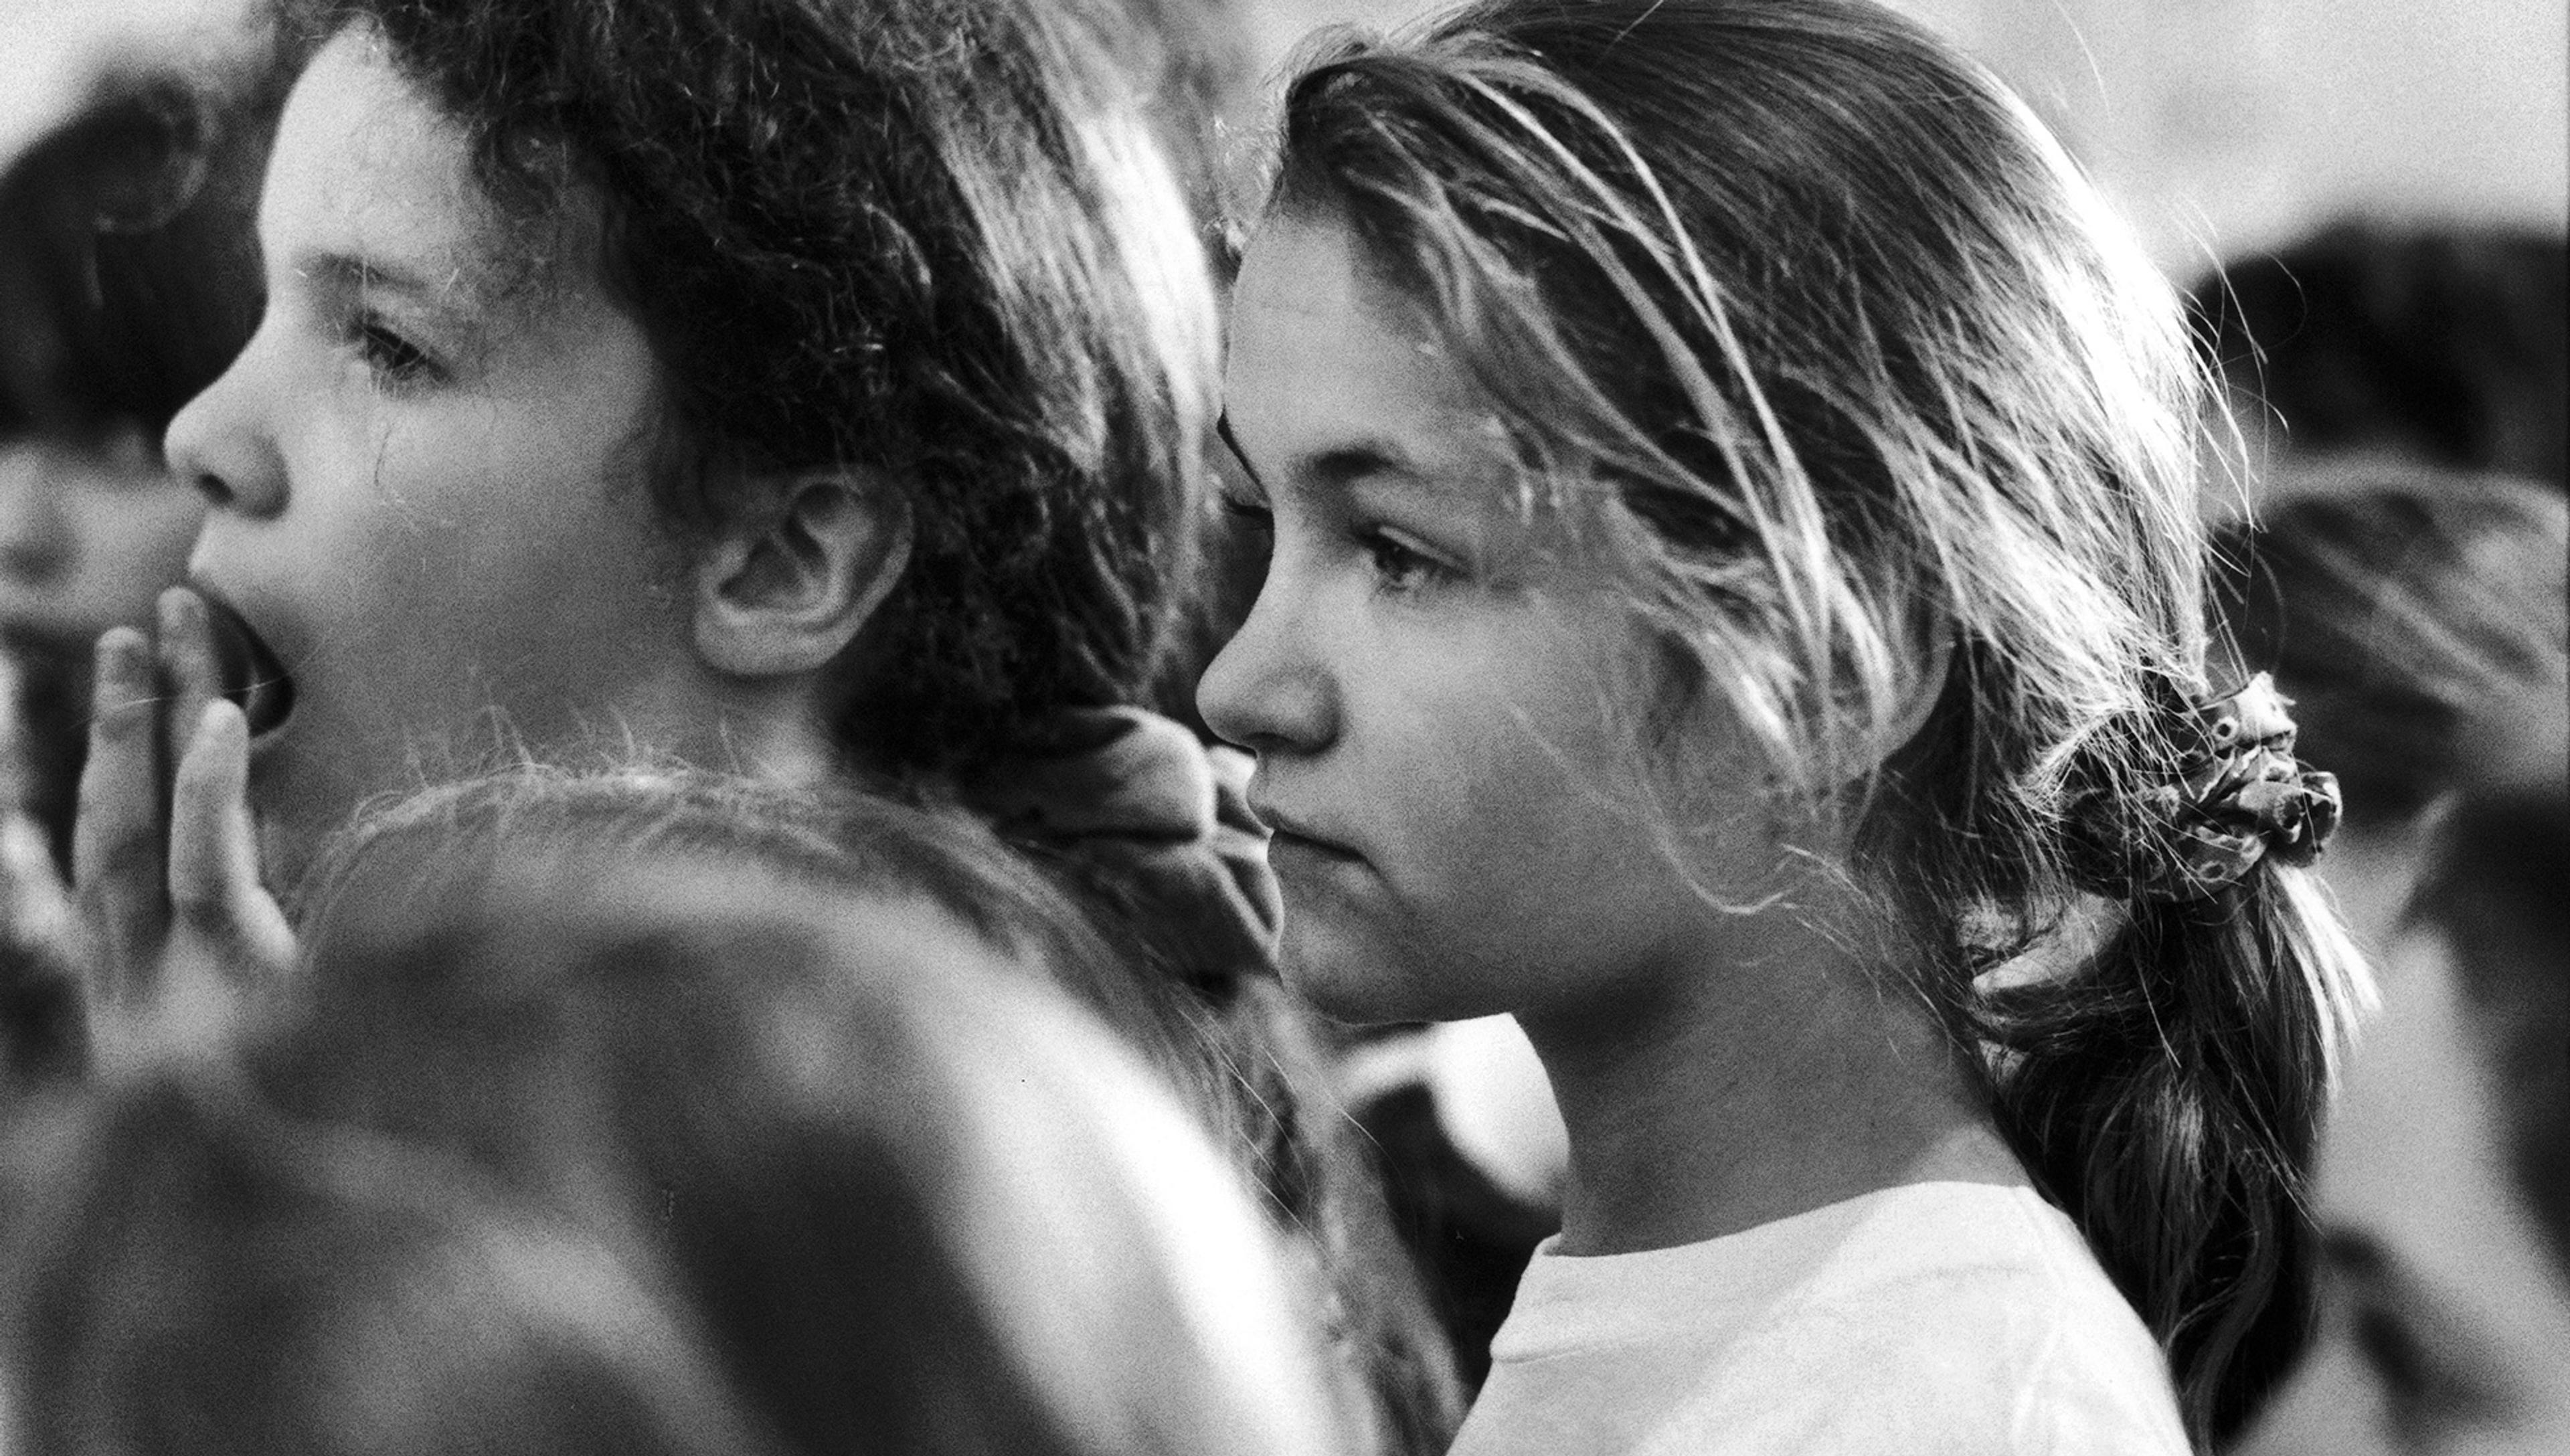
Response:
column 1735, row 601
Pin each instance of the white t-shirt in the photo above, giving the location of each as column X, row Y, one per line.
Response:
column 1932, row 1318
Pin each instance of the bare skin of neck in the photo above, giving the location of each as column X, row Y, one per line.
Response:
column 774, row 729
column 1761, row 1077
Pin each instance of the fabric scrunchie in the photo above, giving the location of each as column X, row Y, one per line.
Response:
column 1134, row 795
column 2238, row 795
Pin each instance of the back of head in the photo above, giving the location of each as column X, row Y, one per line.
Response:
column 129, row 275
column 190, row 1271
column 401, row 872
column 2450, row 345
column 1855, row 382
column 927, row 239
column 920, row 1201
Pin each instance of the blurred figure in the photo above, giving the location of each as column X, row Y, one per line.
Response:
column 2444, row 1176
column 2368, row 340
column 191, row 1273
column 1473, row 1152
column 127, row 281
column 2406, row 615
column 802, row 1053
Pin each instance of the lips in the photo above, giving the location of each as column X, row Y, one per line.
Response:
column 251, row 675
column 1291, row 833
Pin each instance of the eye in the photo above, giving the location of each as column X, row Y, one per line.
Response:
column 1399, row 565
column 389, row 356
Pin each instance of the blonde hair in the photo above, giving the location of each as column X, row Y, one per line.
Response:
column 1831, row 353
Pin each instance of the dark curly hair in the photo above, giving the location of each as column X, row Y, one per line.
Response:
column 931, row 238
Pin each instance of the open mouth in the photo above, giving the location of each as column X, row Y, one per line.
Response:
column 251, row 675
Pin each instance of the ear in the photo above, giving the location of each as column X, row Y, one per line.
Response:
column 1930, row 649
column 1924, row 654
column 787, row 589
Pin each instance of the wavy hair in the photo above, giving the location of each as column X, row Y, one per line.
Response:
column 1832, row 352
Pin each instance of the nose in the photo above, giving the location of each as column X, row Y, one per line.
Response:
column 35, row 538
column 1270, row 689
column 221, row 445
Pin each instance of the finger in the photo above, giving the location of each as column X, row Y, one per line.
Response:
column 35, row 903
column 44, row 1019
column 117, row 839
column 216, row 894
column 189, row 666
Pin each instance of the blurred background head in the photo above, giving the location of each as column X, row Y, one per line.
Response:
column 2416, row 617
column 822, row 1070
column 2365, row 341
column 2444, row 1182
column 128, row 280
column 191, row 1271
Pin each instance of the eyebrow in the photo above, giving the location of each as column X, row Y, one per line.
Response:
column 1335, row 468
column 450, row 294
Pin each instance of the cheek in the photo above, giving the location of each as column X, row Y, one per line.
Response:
column 505, row 513
column 1556, row 871
column 1526, row 756
column 1519, row 836
column 479, row 564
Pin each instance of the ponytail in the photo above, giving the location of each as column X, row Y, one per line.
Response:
column 2166, row 1095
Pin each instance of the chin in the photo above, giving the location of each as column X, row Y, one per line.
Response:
column 1357, row 980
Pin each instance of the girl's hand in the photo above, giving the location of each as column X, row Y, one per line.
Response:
column 181, row 932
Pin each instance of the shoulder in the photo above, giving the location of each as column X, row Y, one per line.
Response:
column 1951, row 1318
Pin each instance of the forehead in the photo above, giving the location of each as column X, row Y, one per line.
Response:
column 362, row 159
column 368, row 169
column 1323, row 351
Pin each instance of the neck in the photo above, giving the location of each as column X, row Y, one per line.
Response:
column 787, row 742
column 1758, row 1079
column 773, row 729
